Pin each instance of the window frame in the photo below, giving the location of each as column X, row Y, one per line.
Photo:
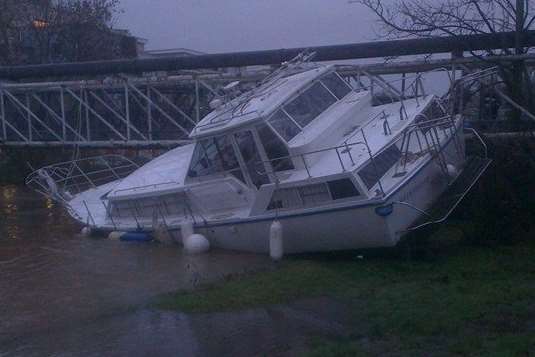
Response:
column 372, row 163
column 251, row 131
column 268, row 122
column 214, row 139
column 341, row 79
column 269, row 161
column 361, row 194
column 282, row 107
column 302, row 92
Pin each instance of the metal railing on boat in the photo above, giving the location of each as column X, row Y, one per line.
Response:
column 71, row 177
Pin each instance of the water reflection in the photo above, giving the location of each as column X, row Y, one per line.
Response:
column 8, row 208
column 57, row 288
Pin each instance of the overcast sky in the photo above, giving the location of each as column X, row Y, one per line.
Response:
column 242, row 25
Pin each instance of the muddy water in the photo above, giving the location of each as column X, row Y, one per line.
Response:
column 65, row 295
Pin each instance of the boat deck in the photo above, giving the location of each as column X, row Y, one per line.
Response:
column 351, row 152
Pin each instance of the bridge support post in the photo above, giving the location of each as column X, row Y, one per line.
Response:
column 3, row 115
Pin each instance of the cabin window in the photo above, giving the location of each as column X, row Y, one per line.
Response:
column 336, row 85
column 310, row 104
column 251, row 157
column 342, row 189
column 168, row 205
column 285, row 198
column 284, row 125
column 312, row 195
column 374, row 170
column 275, row 149
column 214, row 155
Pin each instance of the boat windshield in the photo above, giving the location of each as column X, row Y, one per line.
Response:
column 214, row 155
column 336, row 85
column 251, row 158
column 301, row 111
column 275, row 149
column 310, row 104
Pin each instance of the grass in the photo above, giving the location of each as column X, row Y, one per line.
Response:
column 464, row 300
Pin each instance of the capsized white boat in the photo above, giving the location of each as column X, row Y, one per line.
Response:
column 303, row 148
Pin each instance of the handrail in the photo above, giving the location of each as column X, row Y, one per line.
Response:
column 302, row 157
column 137, row 212
column 456, row 203
column 365, row 125
column 315, row 151
column 90, row 158
column 417, row 80
column 56, row 181
column 430, row 122
column 145, row 186
column 485, row 147
column 412, row 206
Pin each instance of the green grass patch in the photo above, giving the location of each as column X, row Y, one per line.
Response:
column 466, row 300
column 291, row 280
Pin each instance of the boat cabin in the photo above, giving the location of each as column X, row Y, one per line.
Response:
column 260, row 134
column 297, row 141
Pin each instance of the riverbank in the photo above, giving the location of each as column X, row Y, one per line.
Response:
column 451, row 298
column 466, row 288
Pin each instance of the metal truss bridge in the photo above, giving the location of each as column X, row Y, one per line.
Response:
column 130, row 112
column 121, row 111
column 159, row 109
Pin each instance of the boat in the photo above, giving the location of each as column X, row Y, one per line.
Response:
column 305, row 148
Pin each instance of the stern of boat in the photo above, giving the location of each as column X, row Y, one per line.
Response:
column 437, row 189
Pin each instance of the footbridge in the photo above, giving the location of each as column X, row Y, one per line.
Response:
column 156, row 102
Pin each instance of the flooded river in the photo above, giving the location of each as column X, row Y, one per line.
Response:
column 65, row 295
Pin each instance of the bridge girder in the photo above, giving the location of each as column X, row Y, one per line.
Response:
column 118, row 112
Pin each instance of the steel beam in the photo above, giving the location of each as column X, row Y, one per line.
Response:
column 268, row 57
column 111, row 144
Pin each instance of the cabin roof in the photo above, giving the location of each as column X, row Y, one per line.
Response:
column 258, row 103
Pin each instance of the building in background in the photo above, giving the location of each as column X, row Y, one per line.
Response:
column 171, row 52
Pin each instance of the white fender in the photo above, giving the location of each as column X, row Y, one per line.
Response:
column 196, row 244
column 276, row 243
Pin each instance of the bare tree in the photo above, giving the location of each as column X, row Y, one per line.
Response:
column 44, row 31
column 427, row 18
column 11, row 19
column 81, row 30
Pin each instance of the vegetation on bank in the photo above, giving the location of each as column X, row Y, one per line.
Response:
column 454, row 298
column 468, row 287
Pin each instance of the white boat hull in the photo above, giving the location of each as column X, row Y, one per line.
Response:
column 342, row 228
